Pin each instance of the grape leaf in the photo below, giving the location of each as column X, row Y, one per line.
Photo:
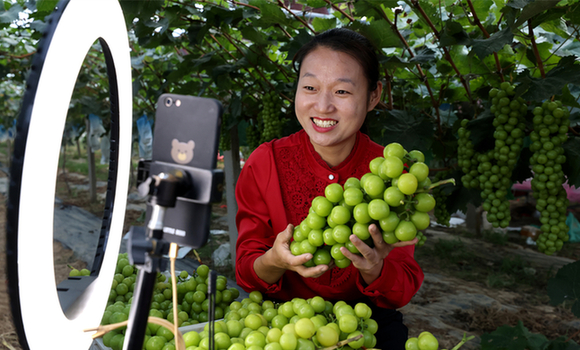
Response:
column 379, row 32
column 535, row 8
column 572, row 165
column 423, row 55
column 535, row 89
column 518, row 4
column 485, row 47
column 12, row 14
column 512, row 338
column 322, row 24
column 454, row 34
column 566, row 286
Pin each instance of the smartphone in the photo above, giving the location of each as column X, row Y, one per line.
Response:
column 185, row 139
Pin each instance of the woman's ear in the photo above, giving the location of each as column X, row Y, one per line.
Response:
column 375, row 96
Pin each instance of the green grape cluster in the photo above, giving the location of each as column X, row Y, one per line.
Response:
column 551, row 122
column 496, row 166
column 305, row 324
column 253, row 136
column 191, row 294
column 466, row 157
column 394, row 195
column 421, row 239
column 441, row 213
column 252, row 323
column 425, row 341
column 270, row 117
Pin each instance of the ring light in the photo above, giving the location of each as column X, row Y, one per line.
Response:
column 72, row 29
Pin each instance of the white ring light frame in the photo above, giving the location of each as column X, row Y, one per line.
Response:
column 37, row 312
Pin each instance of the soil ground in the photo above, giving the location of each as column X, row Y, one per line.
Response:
column 501, row 266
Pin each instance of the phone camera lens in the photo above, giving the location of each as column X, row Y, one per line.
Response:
column 168, row 102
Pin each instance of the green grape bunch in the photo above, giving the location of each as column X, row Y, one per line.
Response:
column 466, row 157
column 441, row 213
column 253, row 135
column 551, row 122
column 393, row 195
column 270, row 117
column 250, row 323
column 496, row 166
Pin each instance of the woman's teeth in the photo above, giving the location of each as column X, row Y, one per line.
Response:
column 324, row 123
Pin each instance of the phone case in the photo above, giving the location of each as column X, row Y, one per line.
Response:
column 185, row 138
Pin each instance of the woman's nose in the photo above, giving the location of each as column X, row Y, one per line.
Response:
column 325, row 103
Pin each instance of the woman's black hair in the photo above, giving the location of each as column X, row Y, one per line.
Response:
column 347, row 41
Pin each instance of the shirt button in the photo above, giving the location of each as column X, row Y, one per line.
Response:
column 331, row 177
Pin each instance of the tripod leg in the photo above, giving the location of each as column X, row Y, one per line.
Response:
column 135, row 334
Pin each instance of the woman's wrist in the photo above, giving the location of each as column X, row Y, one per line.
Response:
column 266, row 268
column 371, row 275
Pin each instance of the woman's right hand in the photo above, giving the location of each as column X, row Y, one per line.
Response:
column 272, row 265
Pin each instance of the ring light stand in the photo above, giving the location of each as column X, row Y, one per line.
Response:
column 37, row 311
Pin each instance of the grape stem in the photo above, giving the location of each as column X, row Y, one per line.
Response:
column 463, row 341
column 439, row 183
column 342, row 343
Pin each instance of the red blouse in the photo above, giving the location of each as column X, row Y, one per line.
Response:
column 276, row 187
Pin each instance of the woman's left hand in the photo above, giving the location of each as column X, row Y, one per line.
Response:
column 370, row 263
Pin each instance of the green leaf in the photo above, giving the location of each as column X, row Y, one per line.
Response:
column 550, row 15
column 379, row 32
column 565, row 287
column 321, row 24
column 518, row 4
column 454, row 34
column 512, row 338
column 572, row 165
column 485, row 47
column 423, row 55
column 11, row 15
column 252, row 34
column 271, row 13
column 537, row 89
column 390, row 62
column 46, row 5
column 534, row 8
column 313, row 3
column 567, row 98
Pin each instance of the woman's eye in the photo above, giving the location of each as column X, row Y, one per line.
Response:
column 342, row 92
column 309, row 88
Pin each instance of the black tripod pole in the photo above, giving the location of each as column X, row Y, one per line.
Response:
column 146, row 280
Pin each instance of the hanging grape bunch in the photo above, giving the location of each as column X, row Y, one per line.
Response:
column 270, row 117
column 496, row 166
column 441, row 213
column 466, row 157
column 253, row 135
column 551, row 123
column 394, row 195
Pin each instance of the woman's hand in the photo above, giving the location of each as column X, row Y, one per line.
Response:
column 370, row 263
column 272, row 265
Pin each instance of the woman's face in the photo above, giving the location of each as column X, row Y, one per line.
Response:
column 332, row 97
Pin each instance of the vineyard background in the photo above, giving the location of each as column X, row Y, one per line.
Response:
column 440, row 59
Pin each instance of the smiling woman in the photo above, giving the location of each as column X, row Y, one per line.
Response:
column 338, row 84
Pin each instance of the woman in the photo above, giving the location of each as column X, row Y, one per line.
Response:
column 338, row 84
